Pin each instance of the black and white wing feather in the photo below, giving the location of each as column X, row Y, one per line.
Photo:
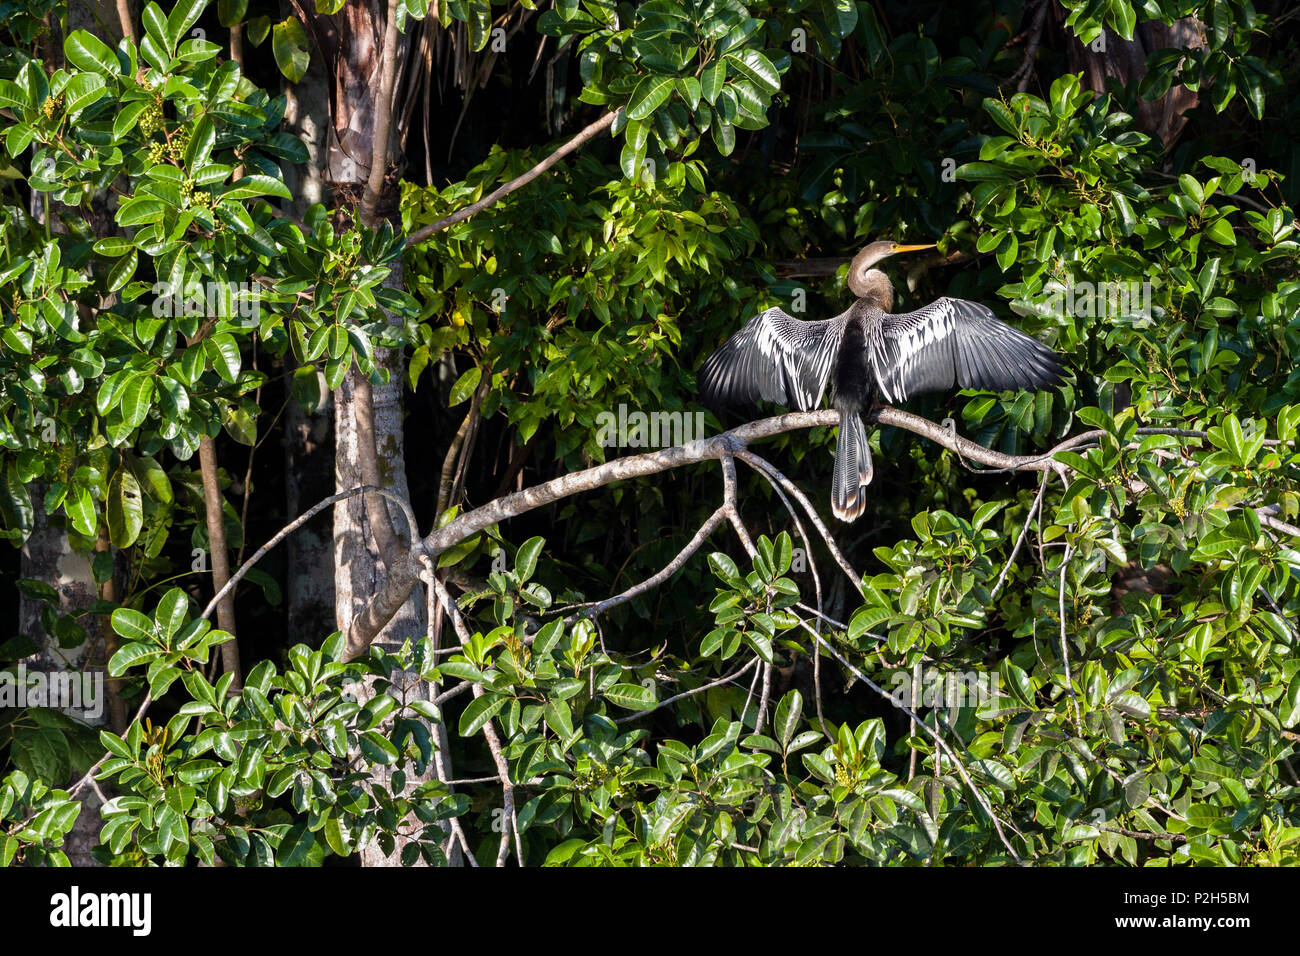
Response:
column 956, row 341
column 776, row 357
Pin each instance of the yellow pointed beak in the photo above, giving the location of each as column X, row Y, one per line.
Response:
column 928, row 245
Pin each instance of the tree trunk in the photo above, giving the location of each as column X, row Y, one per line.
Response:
column 1125, row 60
column 352, row 43
column 48, row 556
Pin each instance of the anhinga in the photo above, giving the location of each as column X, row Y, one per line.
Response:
column 871, row 356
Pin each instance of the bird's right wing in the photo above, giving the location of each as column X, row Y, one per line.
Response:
column 776, row 357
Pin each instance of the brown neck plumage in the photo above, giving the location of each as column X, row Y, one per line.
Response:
column 873, row 287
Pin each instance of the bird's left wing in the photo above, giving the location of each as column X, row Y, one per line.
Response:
column 776, row 357
column 954, row 341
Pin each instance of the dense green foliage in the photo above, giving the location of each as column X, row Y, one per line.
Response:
column 1071, row 717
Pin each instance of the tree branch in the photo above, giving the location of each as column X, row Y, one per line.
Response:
column 216, row 522
column 405, row 572
column 460, row 215
column 383, row 121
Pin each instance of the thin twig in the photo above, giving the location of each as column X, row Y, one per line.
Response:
column 751, row 460
column 1011, row 559
column 421, row 235
column 728, row 679
column 600, row 607
column 1065, row 650
column 1142, row 834
column 939, row 741
column 763, row 464
column 509, row 821
column 298, row 522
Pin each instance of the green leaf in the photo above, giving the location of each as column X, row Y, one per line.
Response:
column 547, row 637
column 756, row 68
column 788, row 714
column 86, row 51
column 377, row 748
column 1135, row 705
column 80, row 506
column 132, row 625
column 1124, row 213
column 140, row 210
column 711, row 81
column 116, row 745
column 1289, row 710
column 124, row 510
column 725, row 568
column 526, row 558
column 1203, row 815
column 183, row 16
column 223, row 354
column 82, row 90
column 295, row 848
column 465, row 386
column 203, row 136
column 230, row 13
column 290, row 44
column 257, row 185
column 651, row 93
column 479, row 711
column 122, row 271
column 559, row 718
column 113, row 246
column 724, row 136
column 172, row 611
column 135, row 400
column 631, row 697
column 1221, row 232
column 1191, row 188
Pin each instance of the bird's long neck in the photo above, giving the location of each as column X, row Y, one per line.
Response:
column 875, row 289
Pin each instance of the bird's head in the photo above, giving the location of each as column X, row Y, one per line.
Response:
column 860, row 283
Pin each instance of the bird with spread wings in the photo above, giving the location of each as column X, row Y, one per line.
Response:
column 869, row 356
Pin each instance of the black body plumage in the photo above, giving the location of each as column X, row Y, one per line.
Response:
column 871, row 356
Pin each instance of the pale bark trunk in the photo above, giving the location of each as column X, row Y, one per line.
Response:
column 359, row 568
column 352, row 43
column 48, row 556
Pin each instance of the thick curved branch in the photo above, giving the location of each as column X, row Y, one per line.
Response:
column 404, row 573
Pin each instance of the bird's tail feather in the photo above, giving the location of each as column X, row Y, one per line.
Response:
column 853, row 468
